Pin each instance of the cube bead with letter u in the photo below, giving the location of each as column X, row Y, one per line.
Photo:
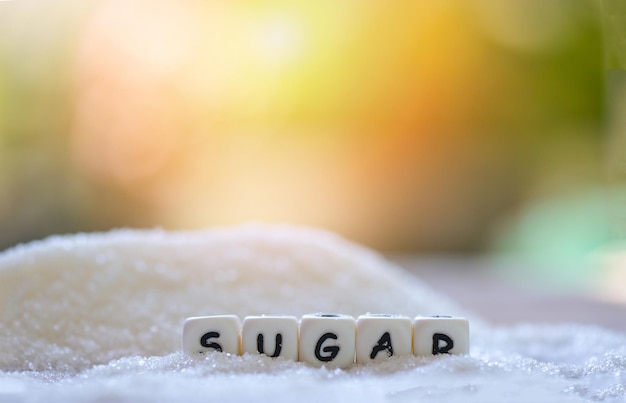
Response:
column 274, row 336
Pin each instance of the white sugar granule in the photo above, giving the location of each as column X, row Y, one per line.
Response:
column 99, row 317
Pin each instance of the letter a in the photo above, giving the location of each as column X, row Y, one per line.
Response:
column 445, row 349
column 384, row 343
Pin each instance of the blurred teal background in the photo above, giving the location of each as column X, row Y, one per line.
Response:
column 481, row 127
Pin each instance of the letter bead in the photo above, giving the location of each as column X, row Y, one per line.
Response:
column 434, row 335
column 380, row 336
column 327, row 339
column 212, row 333
column 274, row 336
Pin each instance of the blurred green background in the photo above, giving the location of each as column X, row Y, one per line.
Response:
column 480, row 126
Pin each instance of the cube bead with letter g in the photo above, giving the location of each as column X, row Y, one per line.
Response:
column 327, row 339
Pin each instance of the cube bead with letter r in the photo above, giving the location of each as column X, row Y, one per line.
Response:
column 327, row 339
column 434, row 335
column 380, row 336
column 274, row 336
column 212, row 333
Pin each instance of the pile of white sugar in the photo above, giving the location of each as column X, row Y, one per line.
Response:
column 99, row 318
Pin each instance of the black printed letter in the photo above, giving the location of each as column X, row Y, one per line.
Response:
column 204, row 341
column 277, row 348
column 437, row 337
column 384, row 343
column 331, row 350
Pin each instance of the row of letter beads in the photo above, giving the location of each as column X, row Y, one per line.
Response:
column 328, row 339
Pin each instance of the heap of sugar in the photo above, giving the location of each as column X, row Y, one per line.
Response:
column 99, row 317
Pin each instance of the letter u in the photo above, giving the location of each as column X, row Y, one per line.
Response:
column 278, row 346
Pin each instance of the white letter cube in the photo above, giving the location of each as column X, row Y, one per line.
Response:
column 212, row 333
column 380, row 336
column 274, row 336
column 327, row 339
column 435, row 335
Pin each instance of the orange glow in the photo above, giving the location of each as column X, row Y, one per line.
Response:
column 319, row 113
column 221, row 113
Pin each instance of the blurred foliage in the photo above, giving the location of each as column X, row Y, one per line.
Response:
column 613, row 14
column 553, row 240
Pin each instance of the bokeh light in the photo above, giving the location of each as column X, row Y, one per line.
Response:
column 427, row 126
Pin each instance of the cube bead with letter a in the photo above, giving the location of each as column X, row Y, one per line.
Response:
column 274, row 336
column 434, row 335
column 327, row 339
column 212, row 333
column 380, row 336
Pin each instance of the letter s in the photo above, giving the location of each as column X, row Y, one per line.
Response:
column 204, row 341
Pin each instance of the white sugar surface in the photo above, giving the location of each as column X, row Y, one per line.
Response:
column 98, row 317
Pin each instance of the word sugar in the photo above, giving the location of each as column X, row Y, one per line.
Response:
column 333, row 340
